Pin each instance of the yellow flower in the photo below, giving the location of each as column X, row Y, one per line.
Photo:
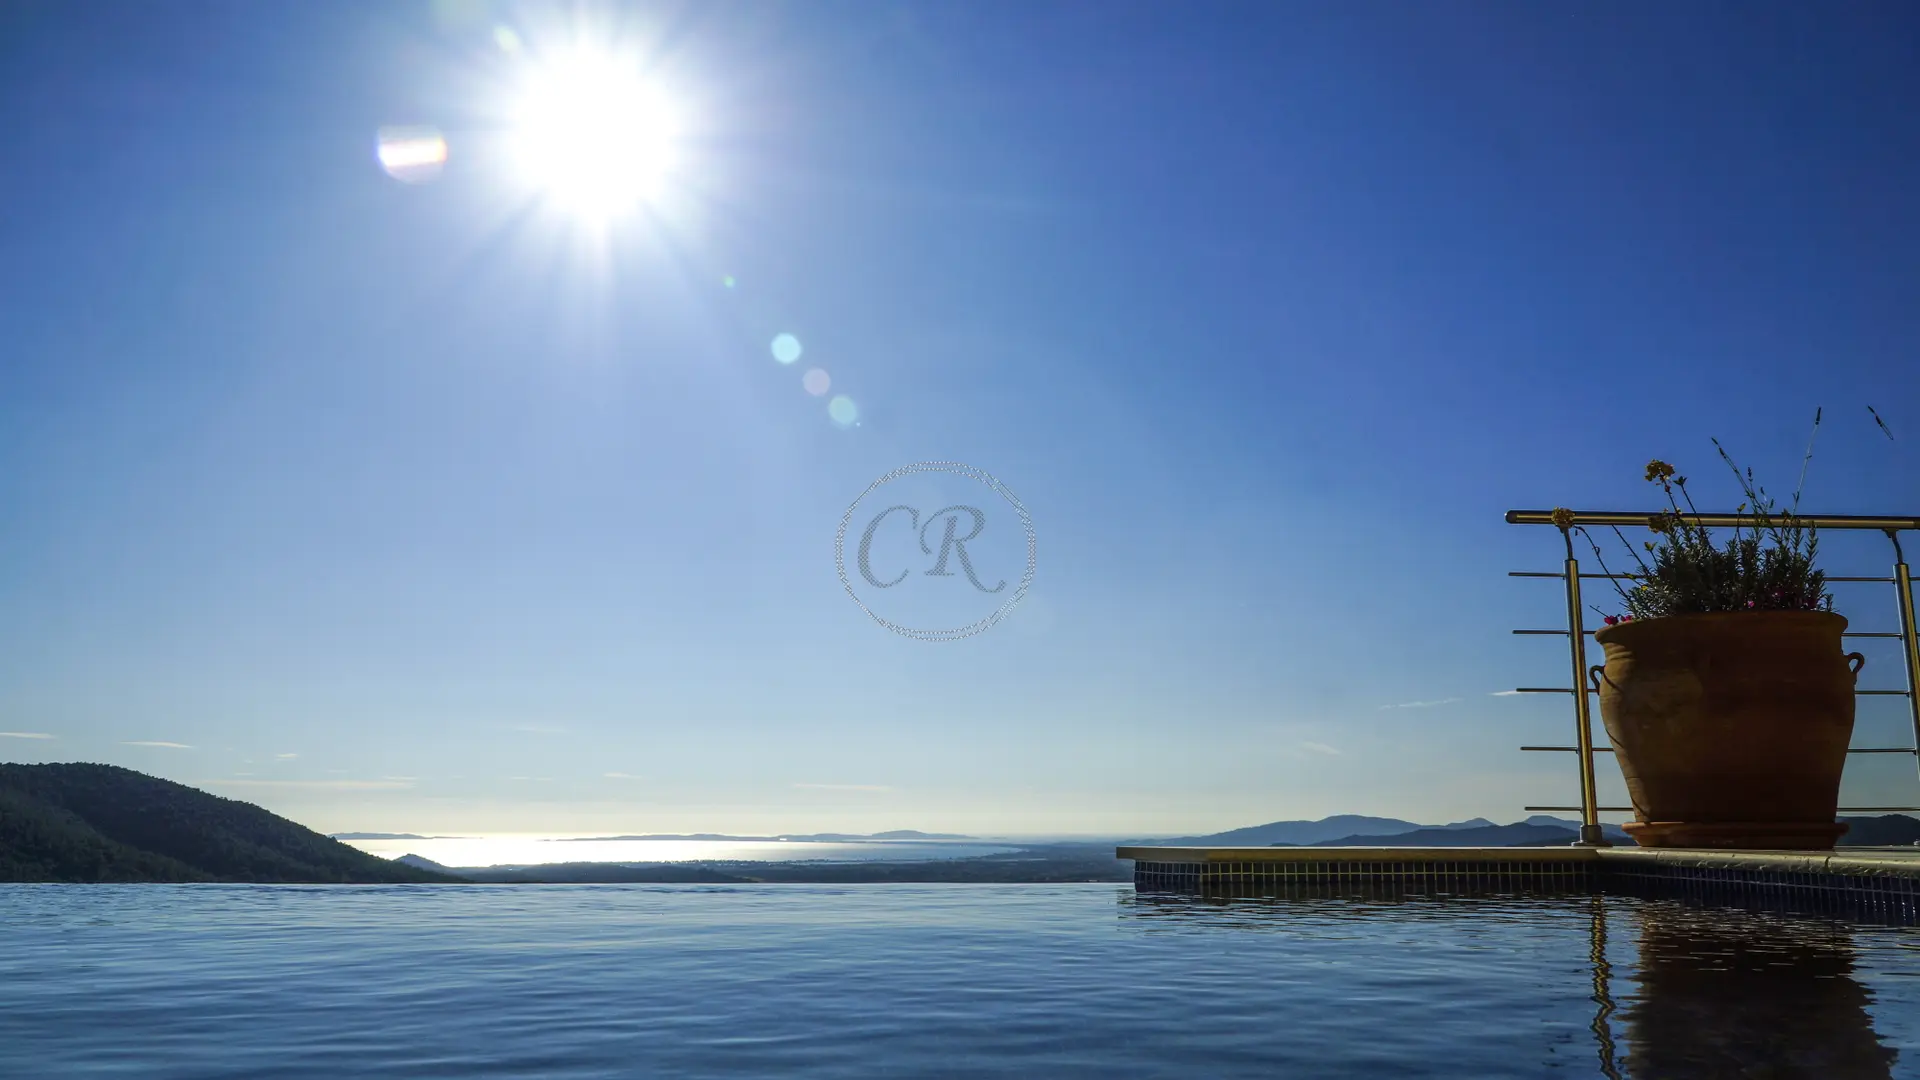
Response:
column 1658, row 470
column 1562, row 517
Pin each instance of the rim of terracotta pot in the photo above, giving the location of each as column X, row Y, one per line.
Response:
column 1605, row 633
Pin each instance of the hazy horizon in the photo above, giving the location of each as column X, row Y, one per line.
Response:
column 368, row 453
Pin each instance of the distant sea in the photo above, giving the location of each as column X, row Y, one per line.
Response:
column 528, row 850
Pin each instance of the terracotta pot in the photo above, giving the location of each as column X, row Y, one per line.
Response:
column 1730, row 727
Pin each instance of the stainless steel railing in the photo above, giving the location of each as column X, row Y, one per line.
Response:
column 1577, row 634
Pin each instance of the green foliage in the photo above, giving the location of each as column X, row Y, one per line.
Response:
column 104, row 823
column 1767, row 564
column 1691, row 575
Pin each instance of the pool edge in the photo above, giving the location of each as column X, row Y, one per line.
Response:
column 1869, row 884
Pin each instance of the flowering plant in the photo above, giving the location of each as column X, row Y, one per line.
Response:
column 1766, row 565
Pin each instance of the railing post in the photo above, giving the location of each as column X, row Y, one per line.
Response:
column 1909, row 640
column 1583, row 724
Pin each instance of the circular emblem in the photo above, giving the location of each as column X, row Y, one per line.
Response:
column 935, row 558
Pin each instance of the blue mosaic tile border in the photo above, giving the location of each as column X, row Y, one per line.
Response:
column 1864, row 897
column 1857, row 896
column 1437, row 875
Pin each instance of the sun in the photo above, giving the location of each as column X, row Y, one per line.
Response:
column 592, row 135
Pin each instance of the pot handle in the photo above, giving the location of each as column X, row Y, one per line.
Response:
column 1598, row 672
column 1857, row 662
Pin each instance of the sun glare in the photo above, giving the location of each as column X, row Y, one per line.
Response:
column 593, row 136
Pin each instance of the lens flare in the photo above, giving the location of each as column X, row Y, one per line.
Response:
column 816, row 382
column 786, row 348
column 412, row 155
column 843, row 411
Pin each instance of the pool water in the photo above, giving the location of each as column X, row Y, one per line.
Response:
column 931, row 981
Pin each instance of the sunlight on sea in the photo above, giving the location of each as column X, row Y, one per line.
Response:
column 534, row 850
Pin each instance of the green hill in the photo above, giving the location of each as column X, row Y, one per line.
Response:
column 105, row 823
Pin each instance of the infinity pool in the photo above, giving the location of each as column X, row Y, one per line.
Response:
column 931, row 981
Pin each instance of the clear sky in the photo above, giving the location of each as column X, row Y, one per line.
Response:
column 478, row 500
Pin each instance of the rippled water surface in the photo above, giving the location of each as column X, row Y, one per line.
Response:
column 930, row 980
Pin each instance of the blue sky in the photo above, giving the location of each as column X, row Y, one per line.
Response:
column 432, row 506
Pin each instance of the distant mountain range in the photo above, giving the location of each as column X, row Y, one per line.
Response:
column 1354, row 830
column 1519, row 834
column 1887, row 830
column 1306, row 833
column 105, row 823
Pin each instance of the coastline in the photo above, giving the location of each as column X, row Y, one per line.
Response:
column 1036, row 864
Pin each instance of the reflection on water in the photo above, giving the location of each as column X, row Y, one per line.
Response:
column 1679, row 992
column 1730, row 993
column 1602, row 1025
